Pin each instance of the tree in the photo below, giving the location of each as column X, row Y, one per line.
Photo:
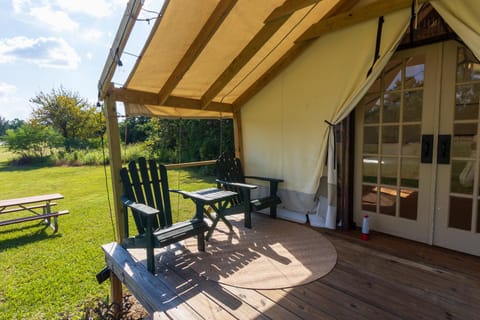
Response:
column 134, row 129
column 177, row 140
column 32, row 141
column 15, row 123
column 9, row 124
column 162, row 142
column 3, row 126
column 70, row 115
column 201, row 139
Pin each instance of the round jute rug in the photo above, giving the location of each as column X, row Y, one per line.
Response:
column 273, row 254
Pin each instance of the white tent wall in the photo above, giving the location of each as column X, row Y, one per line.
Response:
column 284, row 132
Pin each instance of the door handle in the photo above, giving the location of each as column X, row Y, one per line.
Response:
column 427, row 148
column 444, row 144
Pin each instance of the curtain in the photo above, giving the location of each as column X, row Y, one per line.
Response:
column 463, row 17
column 326, row 214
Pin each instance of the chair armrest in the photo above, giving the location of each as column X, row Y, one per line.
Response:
column 273, row 183
column 265, row 179
column 139, row 207
column 237, row 184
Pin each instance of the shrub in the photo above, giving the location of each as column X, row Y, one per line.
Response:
column 30, row 141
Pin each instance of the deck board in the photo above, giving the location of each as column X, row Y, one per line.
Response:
column 263, row 303
column 384, row 278
column 300, row 306
column 217, row 293
column 190, row 292
column 351, row 308
column 422, row 280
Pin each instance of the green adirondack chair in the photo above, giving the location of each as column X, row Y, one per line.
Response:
column 146, row 196
column 230, row 177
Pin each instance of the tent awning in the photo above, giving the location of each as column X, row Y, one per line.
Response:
column 207, row 58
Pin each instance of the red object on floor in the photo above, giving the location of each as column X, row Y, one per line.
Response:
column 365, row 228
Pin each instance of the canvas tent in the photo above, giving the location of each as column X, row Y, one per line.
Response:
column 280, row 68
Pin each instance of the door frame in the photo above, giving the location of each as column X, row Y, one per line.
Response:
column 422, row 231
column 444, row 235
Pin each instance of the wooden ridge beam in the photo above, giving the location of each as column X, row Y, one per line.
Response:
column 262, row 36
column 354, row 16
column 149, row 98
column 208, row 30
column 286, row 59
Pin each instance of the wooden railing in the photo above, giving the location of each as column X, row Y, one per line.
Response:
column 190, row 164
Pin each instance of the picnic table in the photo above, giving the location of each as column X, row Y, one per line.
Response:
column 38, row 208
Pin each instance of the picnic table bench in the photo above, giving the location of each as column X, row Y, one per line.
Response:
column 40, row 208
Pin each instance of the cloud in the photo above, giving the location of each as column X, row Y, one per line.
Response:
column 64, row 15
column 11, row 104
column 57, row 20
column 20, row 5
column 6, row 89
column 91, row 35
column 44, row 52
column 97, row 8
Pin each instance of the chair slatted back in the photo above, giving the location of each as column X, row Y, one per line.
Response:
column 147, row 183
column 229, row 169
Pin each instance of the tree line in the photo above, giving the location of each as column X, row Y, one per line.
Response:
column 62, row 122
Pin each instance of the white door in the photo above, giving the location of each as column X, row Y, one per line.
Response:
column 457, row 223
column 417, row 160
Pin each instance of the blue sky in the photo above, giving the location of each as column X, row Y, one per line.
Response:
column 45, row 44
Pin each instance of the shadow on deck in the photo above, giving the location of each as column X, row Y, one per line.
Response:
column 383, row 278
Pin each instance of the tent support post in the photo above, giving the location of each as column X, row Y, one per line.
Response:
column 115, row 166
column 237, row 135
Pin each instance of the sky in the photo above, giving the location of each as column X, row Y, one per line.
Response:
column 48, row 44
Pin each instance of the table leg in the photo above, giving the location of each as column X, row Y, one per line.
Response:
column 212, row 228
column 47, row 210
column 219, row 216
column 207, row 213
column 55, row 224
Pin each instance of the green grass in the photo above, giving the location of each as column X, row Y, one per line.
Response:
column 52, row 276
column 5, row 157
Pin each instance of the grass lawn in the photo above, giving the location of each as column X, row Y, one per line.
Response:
column 52, row 276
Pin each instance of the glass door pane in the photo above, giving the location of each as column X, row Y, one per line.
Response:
column 392, row 117
column 464, row 168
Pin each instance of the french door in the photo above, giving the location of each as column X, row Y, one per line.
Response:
column 417, row 165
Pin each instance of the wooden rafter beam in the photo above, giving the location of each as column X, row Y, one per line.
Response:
column 282, row 14
column 289, row 7
column 208, row 30
column 150, row 98
column 357, row 15
column 287, row 58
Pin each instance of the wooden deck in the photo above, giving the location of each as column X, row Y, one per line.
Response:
column 383, row 278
